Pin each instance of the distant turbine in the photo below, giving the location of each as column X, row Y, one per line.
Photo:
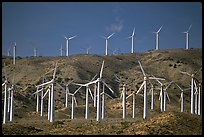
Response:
column 87, row 50
column 157, row 37
column 187, row 36
column 35, row 52
column 8, row 52
column 14, row 53
column 67, row 39
column 106, row 38
column 61, row 50
column 132, row 36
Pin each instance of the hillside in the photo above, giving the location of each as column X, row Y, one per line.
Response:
column 81, row 68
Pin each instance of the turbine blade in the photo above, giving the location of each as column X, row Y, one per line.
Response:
column 60, row 86
column 55, row 71
column 189, row 28
column 130, row 95
column 108, row 87
column 69, row 82
column 77, row 90
column 159, row 29
column 129, row 37
column 133, row 33
column 185, row 73
column 72, row 37
column 110, row 36
column 65, row 37
column 94, row 77
column 75, row 101
column 197, row 71
column 179, row 87
column 167, row 96
column 140, row 87
column 90, row 93
column 168, row 85
column 142, row 68
column 101, row 70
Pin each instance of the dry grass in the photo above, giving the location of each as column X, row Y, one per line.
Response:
column 162, row 63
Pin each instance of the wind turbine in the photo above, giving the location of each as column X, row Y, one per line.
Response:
column 163, row 94
column 12, row 100
column 49, row 84
column 88, row 91
column 35, row 52
column 14, row 53
column 157, row 38
column 132, row 36
column 187, row 36
column 8, row 52
column 106, row 38
column 99, row 81
column 197, row 97
column 145, row 89
column 192, row 88
column 5, row 84
column 182, row 97
column 73, row 101
column 67, row 46
column 123, row 94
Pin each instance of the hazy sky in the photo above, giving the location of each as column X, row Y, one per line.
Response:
column 43, row 25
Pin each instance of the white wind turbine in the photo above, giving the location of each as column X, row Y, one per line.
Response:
column 192, row 88
column 61, row 51
column 73, row 101
column 14, row 53
column 197, row 97
column 66, row 93
column 67, row 46
column 106, row 38
column 157, row 38
column 133, row 94
column 35, row 52
column 88, row 91
column 11, row 97
column 50, row 85
column 5, row 84
column 99, row 81
column 187, row 36
column 8, row 52
column 163, row 94
column 123, row 95
column 132, row 36
column 103, row 99
column 182, row 97
column 145, row 89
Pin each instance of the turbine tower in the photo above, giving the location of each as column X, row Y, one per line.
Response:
column 8, row 52
column 67, row 47
column 14, row 53
column 35, row 52
column 106, row 38
column 61, row 50
column 132, row 36
column 187, row 36
column 157, row 37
